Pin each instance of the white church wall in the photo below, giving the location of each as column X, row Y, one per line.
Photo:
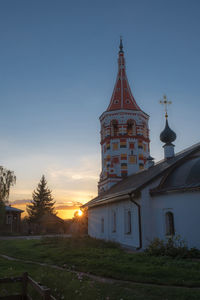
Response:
column 184, row 207
column 147, row 214
column 121, row 235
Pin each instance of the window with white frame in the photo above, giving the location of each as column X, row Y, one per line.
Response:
column 128, row 221
column 114, row 221
column 169, row 223
column 102, row 225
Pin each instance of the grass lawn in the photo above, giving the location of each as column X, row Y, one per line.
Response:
column 104, row 259
column 65, row 285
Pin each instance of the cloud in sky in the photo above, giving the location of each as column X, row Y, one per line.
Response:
column 58, row 206
column 70, row 177
column 68, row 206
column 21, row 202
column 64, row 210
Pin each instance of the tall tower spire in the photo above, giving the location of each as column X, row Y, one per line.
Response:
column 122, row 97
column 121, row 45
column 124, row 132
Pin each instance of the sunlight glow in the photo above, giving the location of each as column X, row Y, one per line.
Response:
column 80, row 213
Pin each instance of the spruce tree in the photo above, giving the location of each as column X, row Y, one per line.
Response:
column 42, row 203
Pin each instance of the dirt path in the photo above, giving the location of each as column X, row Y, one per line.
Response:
column 33, row 237
column 95, row 277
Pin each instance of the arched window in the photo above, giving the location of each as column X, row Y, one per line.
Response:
column 102, row 225
column 114, row 221
column 130, row 125
column 169, row 221
column 114, row 128
column 145, row 129
column 128, row 222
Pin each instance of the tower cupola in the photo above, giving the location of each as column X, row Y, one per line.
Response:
column 122, row 97
column 124, row 132
column 167, row 136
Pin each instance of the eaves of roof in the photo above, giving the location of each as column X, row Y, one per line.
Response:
column 178, row 189
column 13, row 209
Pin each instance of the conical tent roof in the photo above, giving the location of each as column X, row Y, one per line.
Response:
column 122, row 97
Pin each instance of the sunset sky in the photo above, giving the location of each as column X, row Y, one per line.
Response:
column 58, row 67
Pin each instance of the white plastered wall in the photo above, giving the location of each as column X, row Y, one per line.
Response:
column 186, row 209
column 120, row 236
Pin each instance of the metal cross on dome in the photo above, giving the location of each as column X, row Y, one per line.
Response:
column 165, row 102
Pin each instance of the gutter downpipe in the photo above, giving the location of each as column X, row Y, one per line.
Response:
column 139, row 220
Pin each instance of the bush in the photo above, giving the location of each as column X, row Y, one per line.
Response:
column 193, row 253
column 173, row 247
column 156, row 248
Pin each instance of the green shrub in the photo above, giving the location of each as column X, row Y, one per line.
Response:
column 173, row 247
column 193, row 253
column 156, row 248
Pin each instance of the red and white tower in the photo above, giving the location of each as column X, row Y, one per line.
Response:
column 124, row 133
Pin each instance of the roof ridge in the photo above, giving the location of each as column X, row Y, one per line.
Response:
column 180, row 152
column 140, row 180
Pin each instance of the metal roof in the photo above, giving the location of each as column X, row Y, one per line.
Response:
column 122, row 97
column 140, row 179
column 167, row 135
column 14, row 209
column 184, row 177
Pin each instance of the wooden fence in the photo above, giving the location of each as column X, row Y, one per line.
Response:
column 26, row 280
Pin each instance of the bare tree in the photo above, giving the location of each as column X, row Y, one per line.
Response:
column 7, row 179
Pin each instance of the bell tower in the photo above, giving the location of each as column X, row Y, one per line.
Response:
column 124, row 133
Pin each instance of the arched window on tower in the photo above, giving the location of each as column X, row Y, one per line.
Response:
column 169, row 222
column 130, row 127
column 114, row 128
column 145, row 130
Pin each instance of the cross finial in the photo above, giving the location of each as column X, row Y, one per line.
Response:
column 165, row 102
column 121, row 44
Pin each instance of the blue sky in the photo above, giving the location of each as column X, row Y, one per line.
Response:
column 58, row 67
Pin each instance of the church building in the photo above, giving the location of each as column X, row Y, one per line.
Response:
column 139, row 200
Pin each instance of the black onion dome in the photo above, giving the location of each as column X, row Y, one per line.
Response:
column 167, row 135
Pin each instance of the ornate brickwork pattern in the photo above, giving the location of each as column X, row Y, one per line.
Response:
column 124, row 133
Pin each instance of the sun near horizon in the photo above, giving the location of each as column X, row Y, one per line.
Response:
column 62, row 213
column 65, row 209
